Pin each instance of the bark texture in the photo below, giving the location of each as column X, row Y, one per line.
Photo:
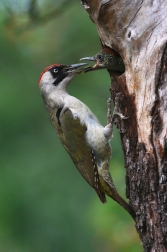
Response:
column 137, row 30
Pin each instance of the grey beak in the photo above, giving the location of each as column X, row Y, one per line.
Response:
column 74, row 68
column 89, row 58
column 77, row 65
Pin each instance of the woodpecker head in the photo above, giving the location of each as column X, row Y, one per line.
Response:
column 58, row 76
column 53, row 82
column 107, row 59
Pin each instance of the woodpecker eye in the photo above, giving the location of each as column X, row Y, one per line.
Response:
column 55, row 70
column 100, row 57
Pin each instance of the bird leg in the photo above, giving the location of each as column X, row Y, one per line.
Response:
column 109, row 116
column 108, row 129
column 116, row 111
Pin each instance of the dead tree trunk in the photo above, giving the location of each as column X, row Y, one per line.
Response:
column 137, row 30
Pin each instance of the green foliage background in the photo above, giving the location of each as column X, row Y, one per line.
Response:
column 45, row 205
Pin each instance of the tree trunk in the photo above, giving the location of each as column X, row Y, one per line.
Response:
column 137, row 30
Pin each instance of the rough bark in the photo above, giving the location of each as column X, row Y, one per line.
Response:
column 137, row 30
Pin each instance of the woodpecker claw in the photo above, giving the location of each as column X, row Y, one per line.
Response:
column 121, row 115
column 116, row 108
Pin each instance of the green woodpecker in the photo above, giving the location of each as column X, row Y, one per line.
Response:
column 108, row 59
column 82, row 135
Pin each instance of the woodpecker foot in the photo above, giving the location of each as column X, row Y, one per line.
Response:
column 117, row 108
column 109, row 116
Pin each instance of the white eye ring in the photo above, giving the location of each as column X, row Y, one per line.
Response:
column 55, row 70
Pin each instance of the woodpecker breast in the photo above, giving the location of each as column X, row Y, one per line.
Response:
column 87, row 153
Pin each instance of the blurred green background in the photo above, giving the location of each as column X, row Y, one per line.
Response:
column 45, row 205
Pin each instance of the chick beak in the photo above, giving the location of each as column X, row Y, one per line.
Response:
column 95, row 67
column 89, row 58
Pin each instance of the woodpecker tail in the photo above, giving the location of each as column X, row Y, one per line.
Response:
column 115, row 196
column 110, row 190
